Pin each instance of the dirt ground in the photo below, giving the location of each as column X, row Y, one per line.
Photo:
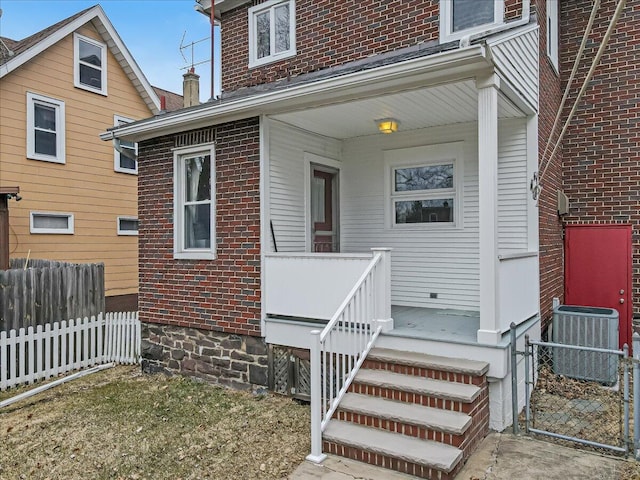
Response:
column 120, row 424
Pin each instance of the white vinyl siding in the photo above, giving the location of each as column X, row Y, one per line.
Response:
column 45, row 129
column 287, row 147
column 512, row 187
column 518, row 58
column 442, row 261
column 425, row 261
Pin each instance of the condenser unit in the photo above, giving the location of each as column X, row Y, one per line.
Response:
column 587, row 327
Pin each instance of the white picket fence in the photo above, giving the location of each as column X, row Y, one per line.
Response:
column 32, row 354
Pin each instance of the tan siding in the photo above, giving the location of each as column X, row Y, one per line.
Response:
column 87, row 184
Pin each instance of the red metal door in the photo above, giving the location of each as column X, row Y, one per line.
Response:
column 598, row 270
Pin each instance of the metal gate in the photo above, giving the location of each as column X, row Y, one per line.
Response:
column 578, row 394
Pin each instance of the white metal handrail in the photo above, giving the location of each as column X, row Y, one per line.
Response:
column 340, row 349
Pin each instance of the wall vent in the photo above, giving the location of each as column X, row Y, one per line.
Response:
column 587, row 327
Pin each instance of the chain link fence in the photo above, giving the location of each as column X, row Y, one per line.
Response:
column 579, row 395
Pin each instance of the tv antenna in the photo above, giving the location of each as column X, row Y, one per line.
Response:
column 190, row 46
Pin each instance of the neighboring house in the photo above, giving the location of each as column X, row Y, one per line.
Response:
column 60, row 88
column 283, row 205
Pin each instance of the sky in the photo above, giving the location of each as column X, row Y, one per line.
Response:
column 152, row 30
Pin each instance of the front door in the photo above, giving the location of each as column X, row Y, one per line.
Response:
column 598, row 270
column 324, row 209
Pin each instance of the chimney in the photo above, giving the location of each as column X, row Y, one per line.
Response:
column 191, row 88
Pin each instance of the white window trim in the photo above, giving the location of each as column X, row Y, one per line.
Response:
column 446, row 21
column 425, row 156
column 76, row 64
column 126, row 232
column 253, row 11
column 179, row 252
column 117, row 121
column 58, row 105
column 552, row 33
column 58, row 231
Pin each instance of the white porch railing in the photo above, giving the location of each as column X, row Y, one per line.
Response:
column 310, row 285
column 519, row 289
column 31, row 354
column 339, row 350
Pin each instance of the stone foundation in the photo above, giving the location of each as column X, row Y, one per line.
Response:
column 235, row 361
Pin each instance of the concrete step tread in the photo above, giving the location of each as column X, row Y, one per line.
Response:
column 434, row 362
column 455, row 423
column 409, row 449
column 461, row 392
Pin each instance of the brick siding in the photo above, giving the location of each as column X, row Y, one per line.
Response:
column 221, row 294
column 550, row 225
column 602, row 145
column 331, row 33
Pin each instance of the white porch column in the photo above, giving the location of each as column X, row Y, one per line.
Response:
column 488, row 202
column 383, row 289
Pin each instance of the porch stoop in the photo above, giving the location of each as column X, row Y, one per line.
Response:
column 413, row 413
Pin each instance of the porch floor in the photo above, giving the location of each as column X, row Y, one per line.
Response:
column 458, row 326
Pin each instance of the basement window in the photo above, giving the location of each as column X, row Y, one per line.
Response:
column 272, row 32
column 127, row 226
column 51, row 222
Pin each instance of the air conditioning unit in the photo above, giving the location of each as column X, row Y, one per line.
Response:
column 587, row 327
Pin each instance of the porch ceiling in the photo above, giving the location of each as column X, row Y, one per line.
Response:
column 427, row 107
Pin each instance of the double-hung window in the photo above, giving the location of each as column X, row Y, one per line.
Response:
column 45, row 129
column 423, row 185
column 272, row 32
column 90, row 64
column 194, row 206
column 459, row 18
column 126, row 155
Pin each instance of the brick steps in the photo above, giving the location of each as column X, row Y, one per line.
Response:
column 413, row 413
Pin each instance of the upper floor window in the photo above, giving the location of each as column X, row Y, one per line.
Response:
column 125, row 156
column 552, row 32
column 193, row 201
column 45, row 129
column 459, row 18
column 272, row 32
column 90, row 64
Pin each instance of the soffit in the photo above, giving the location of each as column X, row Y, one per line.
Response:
column 422, row 108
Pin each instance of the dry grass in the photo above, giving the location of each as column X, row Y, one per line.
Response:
column 120, row 424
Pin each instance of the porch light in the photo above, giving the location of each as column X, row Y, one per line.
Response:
column 387, row 125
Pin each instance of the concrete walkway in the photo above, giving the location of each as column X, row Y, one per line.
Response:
column 501, row 456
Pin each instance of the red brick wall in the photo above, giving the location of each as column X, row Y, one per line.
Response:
column 602, row 145
column 221, row 294
column 551, row 246
column 331, row 33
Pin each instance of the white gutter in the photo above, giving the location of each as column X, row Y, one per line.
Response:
column 418, row 72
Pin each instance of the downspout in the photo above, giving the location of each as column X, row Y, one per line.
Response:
column 213, row 48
